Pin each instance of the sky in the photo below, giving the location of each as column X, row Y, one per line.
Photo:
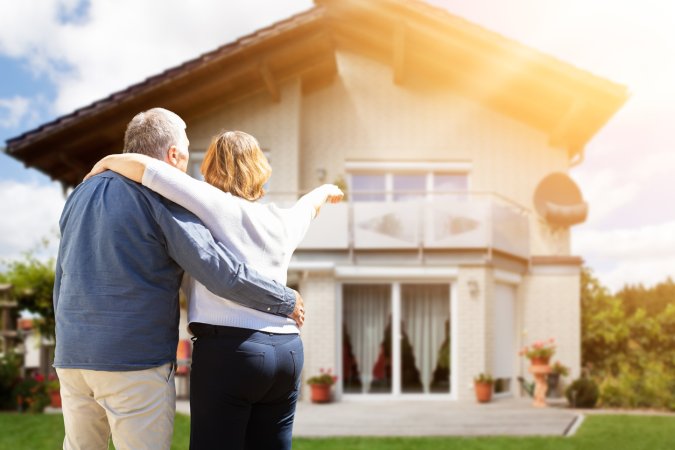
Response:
column 58, row 55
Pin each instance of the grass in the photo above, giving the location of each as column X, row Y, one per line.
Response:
column 37, row 432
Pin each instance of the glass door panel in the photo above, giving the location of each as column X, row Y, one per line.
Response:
column 366, row 339
column 425, row 338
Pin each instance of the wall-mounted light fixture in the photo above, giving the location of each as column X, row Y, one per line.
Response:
column 474, row 288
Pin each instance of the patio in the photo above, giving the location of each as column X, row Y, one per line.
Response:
column 503, row 417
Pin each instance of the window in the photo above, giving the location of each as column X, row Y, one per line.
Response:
column 368, row 187
column 450, row 182
column 195, row 164
column 406, row 184
column 409, row 186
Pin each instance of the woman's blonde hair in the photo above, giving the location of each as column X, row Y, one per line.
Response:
column 234, row 163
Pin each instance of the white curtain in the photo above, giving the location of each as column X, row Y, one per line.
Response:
column 425, row 311
column 366, row 310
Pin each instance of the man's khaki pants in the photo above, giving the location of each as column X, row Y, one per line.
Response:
column 136, row 407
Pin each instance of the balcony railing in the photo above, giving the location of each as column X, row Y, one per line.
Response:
column 453, row 221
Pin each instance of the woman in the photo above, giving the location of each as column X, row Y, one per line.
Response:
column 246, row 364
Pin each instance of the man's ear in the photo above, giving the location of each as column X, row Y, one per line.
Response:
column 172, row 155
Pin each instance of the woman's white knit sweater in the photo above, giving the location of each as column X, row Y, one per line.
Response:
column 263, row 236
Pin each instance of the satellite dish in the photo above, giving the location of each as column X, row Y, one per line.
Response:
column 559, row 201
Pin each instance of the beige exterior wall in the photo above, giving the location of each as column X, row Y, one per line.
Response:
column 319, row 334
column 363, row 115
column 473, row 333
column 276, row 125
column 552, row 309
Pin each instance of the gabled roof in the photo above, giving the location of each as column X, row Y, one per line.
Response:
column 422, row 44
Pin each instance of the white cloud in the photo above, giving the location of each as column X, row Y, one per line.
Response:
column 13, row 110
column 607, row 191
column 30, row 213
column 121, row 42
column 636, row 255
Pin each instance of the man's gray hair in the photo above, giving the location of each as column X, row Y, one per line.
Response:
column 153, row 132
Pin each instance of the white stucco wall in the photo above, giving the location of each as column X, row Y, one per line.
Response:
column 363, row 115
column 552, row 309
column 274, row 124
column 319, row 334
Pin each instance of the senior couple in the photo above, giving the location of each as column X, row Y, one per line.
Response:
column 136, row 231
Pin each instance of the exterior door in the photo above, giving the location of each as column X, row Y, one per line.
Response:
column 504, row 338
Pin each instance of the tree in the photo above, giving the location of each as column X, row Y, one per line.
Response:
column 604, row 330
column 628, row 342
column 33, row 285
column 654, row 300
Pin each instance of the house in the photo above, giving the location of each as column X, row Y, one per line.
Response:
column 454, row 143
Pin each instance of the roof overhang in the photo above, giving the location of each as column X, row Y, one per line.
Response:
column 424, row 45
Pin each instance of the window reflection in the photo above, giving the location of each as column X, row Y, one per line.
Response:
column 368, row 187
column 409, row 187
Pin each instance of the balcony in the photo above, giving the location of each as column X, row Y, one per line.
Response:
column 462, row 221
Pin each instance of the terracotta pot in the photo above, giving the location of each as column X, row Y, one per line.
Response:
column 55, row 397
column 540, row 361
column 483, row 392
column 320, row 393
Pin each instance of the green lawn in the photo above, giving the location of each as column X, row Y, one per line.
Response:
column 36, row 432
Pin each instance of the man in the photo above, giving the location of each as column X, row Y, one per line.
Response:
column 121, row 258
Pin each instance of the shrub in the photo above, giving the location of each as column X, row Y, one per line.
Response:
column 582, row 393
column 10, row 365
column 32, row 393
column 653, row 387
column 559, row 369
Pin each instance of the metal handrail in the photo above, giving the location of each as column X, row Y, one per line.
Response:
column 424, row 194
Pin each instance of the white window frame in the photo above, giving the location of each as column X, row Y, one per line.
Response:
column 389, row 169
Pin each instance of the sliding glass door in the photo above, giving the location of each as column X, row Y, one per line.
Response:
column 366, row 339
column 425, row 338
column 418, row 362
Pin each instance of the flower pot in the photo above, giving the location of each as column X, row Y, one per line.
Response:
column 540, row 361
column 320, row 393
column 483, row 392
column 25, row 324
column 553, row 380
column 55, row 397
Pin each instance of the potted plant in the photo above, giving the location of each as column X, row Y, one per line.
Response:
column 321, row 385
column 54, row 390
column 482, row 384
column 540, row 352
column 557, row 371
column 31, row 394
